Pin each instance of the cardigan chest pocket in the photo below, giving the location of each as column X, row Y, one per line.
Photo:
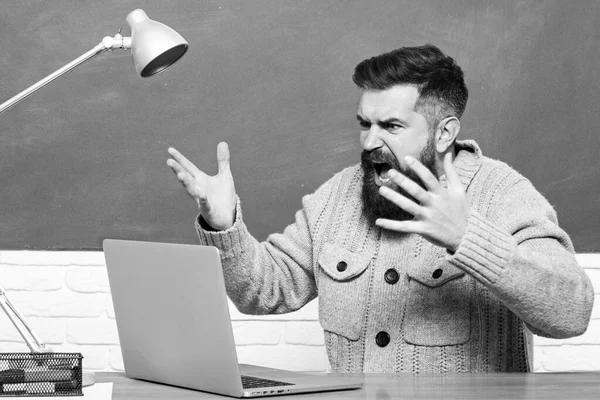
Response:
column 437, row 308
column 343, row 290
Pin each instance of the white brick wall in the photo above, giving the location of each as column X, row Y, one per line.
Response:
column 65, row 297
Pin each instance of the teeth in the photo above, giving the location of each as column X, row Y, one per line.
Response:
column 382, row 172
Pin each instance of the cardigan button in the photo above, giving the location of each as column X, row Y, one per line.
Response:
column 391, row 276
column 382, row 339
column 437, row 273
column 341, row 267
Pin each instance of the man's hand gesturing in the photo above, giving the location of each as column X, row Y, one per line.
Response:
column 214, row 195
column 440, row 215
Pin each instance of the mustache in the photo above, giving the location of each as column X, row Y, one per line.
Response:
column 368, row 158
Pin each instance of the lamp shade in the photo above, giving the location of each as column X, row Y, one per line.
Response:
column 154, row 46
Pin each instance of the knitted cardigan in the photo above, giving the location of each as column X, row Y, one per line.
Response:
column 514, row 273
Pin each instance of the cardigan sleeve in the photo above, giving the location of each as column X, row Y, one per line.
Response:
column 521, row 254
column 274, row 276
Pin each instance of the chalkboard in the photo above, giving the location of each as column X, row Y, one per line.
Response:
column 84, row 158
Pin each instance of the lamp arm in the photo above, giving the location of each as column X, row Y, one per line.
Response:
column 107, row 43
column 33, row 342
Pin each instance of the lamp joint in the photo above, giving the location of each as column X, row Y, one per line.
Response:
column 116, row 42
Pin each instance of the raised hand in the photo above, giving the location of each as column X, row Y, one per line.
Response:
column 214, row 195
column 440, row 215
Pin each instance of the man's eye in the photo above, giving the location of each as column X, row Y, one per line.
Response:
column 392, row 127
column 364, row 124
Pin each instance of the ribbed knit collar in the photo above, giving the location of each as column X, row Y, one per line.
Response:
column 466, row 163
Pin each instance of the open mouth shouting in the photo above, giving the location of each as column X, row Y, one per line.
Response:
column 377, row 166
column 382, row 170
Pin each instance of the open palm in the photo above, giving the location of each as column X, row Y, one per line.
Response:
column 214, row 195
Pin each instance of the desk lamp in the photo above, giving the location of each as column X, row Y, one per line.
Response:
column 154, row 47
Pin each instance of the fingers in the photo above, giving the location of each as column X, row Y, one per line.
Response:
column 183, row 176
column 223, row 158
column 410, row 186
column 401, row 201
column 398, row 226
column 451, row 174
column 428, row 179
column 186, row 164
column 204, row 205
column 177, row 168
column 181, row 173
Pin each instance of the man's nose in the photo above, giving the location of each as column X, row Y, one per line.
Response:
column 372, row 139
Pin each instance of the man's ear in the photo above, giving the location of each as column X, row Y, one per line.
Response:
column 446, row 133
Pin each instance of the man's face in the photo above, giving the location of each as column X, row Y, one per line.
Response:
column 390, row 130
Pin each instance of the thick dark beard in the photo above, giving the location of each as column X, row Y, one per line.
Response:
column 376, row 206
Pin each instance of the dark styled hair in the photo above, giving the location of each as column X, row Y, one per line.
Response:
column 438, row 78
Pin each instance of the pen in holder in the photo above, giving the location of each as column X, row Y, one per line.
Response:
column 40, row 374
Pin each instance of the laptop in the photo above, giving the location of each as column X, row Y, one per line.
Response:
column 174, row 326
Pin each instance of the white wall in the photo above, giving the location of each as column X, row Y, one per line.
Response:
column 65, row 297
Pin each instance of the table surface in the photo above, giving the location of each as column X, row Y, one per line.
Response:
column 570, row 386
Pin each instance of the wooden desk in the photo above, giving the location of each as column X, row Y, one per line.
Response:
column 563, row 386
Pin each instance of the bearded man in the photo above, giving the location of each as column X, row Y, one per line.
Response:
column 425, row 257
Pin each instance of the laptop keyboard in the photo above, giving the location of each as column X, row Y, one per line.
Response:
column 251, row 382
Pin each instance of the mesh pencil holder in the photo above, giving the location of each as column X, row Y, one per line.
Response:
column 40, row 374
